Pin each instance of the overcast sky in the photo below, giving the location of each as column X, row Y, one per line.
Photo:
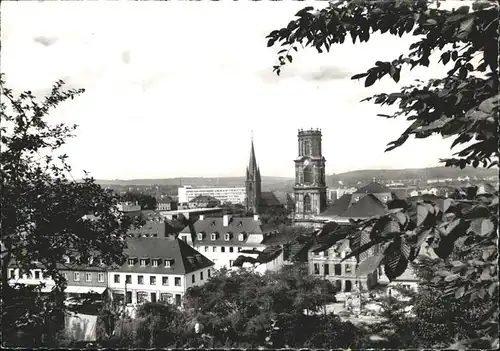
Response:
column 175, row 88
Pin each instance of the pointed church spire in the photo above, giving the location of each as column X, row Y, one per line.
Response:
column 252, row 163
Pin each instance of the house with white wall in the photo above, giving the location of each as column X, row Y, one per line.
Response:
column 158, row 269
column 224, row 239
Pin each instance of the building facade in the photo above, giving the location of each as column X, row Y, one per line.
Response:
column 235, row 195
column 310, row 185
column 157, row 269
column 223, row 240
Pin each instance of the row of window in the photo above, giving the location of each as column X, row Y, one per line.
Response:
column 76, row 276
column 152, row 279
column 222, row 249
column 154, row 262
column 88, row 277
column 142, row 297
column 326, row 254
column 227, row 236
column 337, row 269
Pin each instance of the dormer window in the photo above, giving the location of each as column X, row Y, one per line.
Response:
column 356, row 198
column 168, row 263
column 241, row 237
column 143, row 262
column 131, row 261
column 155, row 262
column 213, row 236
column 227, row 236
column 200, row 236
column 90, row 260
column 67, row 259
column 213, row 223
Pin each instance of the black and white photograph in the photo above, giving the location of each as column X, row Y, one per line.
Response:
column 249, row 174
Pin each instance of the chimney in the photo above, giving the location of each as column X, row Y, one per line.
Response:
column 256, row 217
column 202, row 217
column 225, row 220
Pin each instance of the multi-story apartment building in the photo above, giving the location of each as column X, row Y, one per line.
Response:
column 235, row 195
column 158, row 269
column 224, row 239
column 365, row 202
column 81, row 279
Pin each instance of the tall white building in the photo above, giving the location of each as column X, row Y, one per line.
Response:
column 235, row 195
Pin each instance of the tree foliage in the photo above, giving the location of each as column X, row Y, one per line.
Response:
column 463, row 105
column 246, row 308
column 46, row 215
column 147, row 202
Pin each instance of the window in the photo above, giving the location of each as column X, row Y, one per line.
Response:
column 178, row 299
column 76, row 276
column 88, row 277
column 128, row 279
column 131, row 261
column 177, row 281
column 326, row 269
column 239, row 249
column 64, row 274
column 12, row 274
column 167, row 263
column 143, row 262
column 153, row 297
column 213, row 236
column 222, row 249
column 325, row 253
column 307, row 202
column 214, row 249
column 37, row 274
column 152, row 280
column 166, row 297
column 155, row 263
column 140, row 279
column 206, row 248
column 241, row 237
column 193, row 279
column 316, row 268
column 200, row 236
column 347, row 268
column 338, row 269
column 231, row 263
column 142, row 297
column 231, row 249
column 201, row 275
column 117, row 278
column 67, row 259
column 164, row 281
column 337, row 254
column 316, row 253
column 185, row 238
column 208, row 272
column 128, row 297
column 90, row 260
column 227, row 236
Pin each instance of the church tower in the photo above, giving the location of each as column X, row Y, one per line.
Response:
column 253, row 184
column 310, row 185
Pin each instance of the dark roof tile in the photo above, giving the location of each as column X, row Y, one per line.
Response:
column 373, row 188
column 367, row 206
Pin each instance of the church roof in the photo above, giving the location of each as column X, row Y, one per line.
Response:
column 253, row 172
column 339, row 206
column 367, row 206
column 373, row 188
column 268, row 198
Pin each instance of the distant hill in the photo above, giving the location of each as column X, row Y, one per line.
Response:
column 411, row 173
column 196, row 181
column 276, row 183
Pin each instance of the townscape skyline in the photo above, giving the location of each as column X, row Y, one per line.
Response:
column 162, row 104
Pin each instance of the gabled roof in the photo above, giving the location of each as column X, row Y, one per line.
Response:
column 166, row 199
column 150, row 228
column 367, row 206
column 237, row 225
column 283, row 197
column 268, row 198
column 373, row 188
column 184, row 258
column 338, row 207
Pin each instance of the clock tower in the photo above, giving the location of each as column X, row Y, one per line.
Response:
column 310, row 185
